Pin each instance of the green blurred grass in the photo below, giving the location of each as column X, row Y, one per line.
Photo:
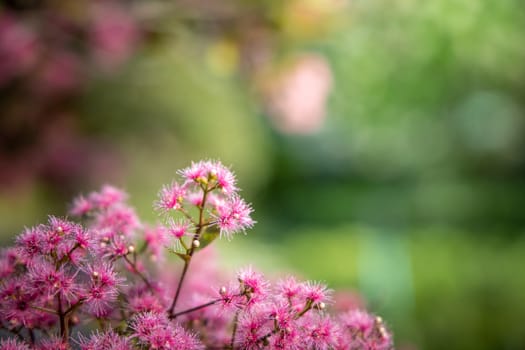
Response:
column 438, row 288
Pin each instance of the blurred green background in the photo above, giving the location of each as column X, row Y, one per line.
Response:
column 380, row 142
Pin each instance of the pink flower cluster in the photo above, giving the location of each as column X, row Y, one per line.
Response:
column 210, row 187
column 99, row 283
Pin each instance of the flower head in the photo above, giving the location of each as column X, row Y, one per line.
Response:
column 13, row 344
column 213, row 173
column 170, row 197
column 106, row 340
column 233, row 216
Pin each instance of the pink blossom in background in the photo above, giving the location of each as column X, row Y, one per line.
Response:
column 114, row 34
column 18, row 49
column 297, row 97
column 60, row 74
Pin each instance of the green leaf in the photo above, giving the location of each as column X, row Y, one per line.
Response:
column 208, row 236
column 183, row 256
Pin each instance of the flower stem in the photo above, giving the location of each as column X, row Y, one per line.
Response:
column 64, row 331
column 136, row 270
column 195, row 308
column 196, row 236
column 234, row 331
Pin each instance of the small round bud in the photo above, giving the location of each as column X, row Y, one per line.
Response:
column 60, row 229
column 382, row 332
column 103, row 244
column 321, row 306
column 95, row 274
column 131, row 249
column 202, row 180
column 196, row 243
column 379, row 319
column 222, row 291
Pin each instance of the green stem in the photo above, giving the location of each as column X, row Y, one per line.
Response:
column 64, row 331
column 234, row 331
column 187, row 311
column 190, row 252
column 136, row 271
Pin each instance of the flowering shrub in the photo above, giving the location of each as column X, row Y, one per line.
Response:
column 101, row 283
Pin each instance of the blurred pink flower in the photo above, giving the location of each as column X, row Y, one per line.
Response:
column 60, row 74
column 297, row 98
column 18, row 49
column 114, row 35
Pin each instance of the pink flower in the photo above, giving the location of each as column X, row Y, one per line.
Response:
column 102, row 290
column 233, row 216
column 316, row 293
column 212, row 172
column 29, row 243
column 179, row 228
column 170, row 197
column 13, row 344
column 45, row 278
column 195, row 198
column 9, row 259
column 252, row 285
column 320, row 332
column 156, row 239
column 252, row 327
column 155, row 331
column 146, row 301
column 17, row 298
column 196, row 172
column 64, row 269
column 103, row 274
column 297, row 98
column 60, row 74
column 289, row 288
column 114, row 35
column 53, row 343
column 358, row 321
column 107, row 197
column 81, row 206
column 230, row 298
column 18, row 49
column 107, row 340
column 118, row 219
column 367, row 331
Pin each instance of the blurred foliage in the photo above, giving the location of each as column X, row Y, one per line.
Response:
column 438, row 288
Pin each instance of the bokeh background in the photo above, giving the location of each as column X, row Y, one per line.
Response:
column 380, row 141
